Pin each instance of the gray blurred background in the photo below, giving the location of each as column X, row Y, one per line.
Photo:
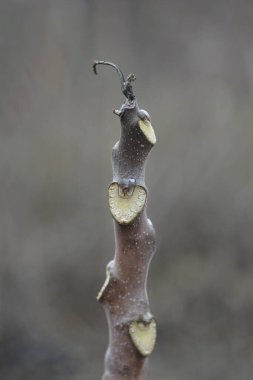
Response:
column 194, row 65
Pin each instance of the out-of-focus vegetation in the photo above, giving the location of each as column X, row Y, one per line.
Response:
column 194, row 66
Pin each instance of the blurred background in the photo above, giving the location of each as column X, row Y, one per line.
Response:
column 193, row 60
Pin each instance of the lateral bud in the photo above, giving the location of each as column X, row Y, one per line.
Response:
column 126, row 201
column 147, row 130
column 143, row 334
column 107, row 280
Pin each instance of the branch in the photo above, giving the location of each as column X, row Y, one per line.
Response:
column 132, row 328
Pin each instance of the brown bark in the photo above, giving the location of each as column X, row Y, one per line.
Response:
column 132, row 328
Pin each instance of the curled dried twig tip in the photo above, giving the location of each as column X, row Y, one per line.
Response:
column 95, row 67
column 126, row 86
